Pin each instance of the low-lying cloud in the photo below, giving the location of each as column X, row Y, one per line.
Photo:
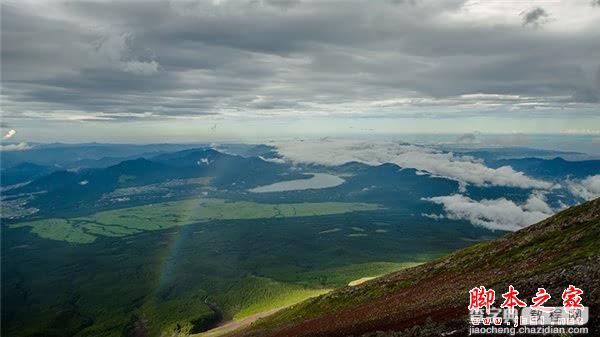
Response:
column 495, row 214
column 272, row 160
column 464, row 169
column 9, row 134
column 588, row 188
column 15, row 147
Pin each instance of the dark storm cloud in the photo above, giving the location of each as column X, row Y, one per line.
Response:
column 534, row 17
column 467, row 138
column 283, row 3
column 132, row 59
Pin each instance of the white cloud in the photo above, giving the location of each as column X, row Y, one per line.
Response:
column 9, row 134
column 15, row 147
column 588, row 188
column 272, row 160
column 495, row 214
column 537, row 203
column 463, row 169
column 581, row 132
column 433, row 216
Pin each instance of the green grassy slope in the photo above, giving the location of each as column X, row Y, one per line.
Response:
column 432, row 298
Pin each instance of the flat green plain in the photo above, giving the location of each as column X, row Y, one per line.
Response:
column 133, row 220
column 196, row 262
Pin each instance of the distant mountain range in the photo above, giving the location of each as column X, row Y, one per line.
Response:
column 41, row 159
column 61, row 185
column 550, row 168
column 432, row 299
column 70, row 190
column 77, row 155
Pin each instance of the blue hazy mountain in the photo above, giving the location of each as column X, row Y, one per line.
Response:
column 62, row 155
column 550, row 168
column 23, row 172
column 73, row 190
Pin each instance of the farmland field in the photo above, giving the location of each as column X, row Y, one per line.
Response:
column 127, row 221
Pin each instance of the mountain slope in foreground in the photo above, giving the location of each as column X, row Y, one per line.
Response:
column 432, row 299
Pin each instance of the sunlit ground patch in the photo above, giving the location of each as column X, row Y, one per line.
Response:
column 133, row 220
column 357, row 235
column 360, row 281
column 333, row 230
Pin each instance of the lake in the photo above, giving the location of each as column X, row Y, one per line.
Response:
column 317, row 181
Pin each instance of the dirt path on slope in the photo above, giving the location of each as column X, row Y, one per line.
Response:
column 234, row 325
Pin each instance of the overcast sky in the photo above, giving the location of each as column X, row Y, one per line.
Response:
column 201, row 70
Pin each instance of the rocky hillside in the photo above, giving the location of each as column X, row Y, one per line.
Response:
column 432, row 299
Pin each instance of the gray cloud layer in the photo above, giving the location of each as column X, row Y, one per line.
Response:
column 534, row 17
column 132, row 59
